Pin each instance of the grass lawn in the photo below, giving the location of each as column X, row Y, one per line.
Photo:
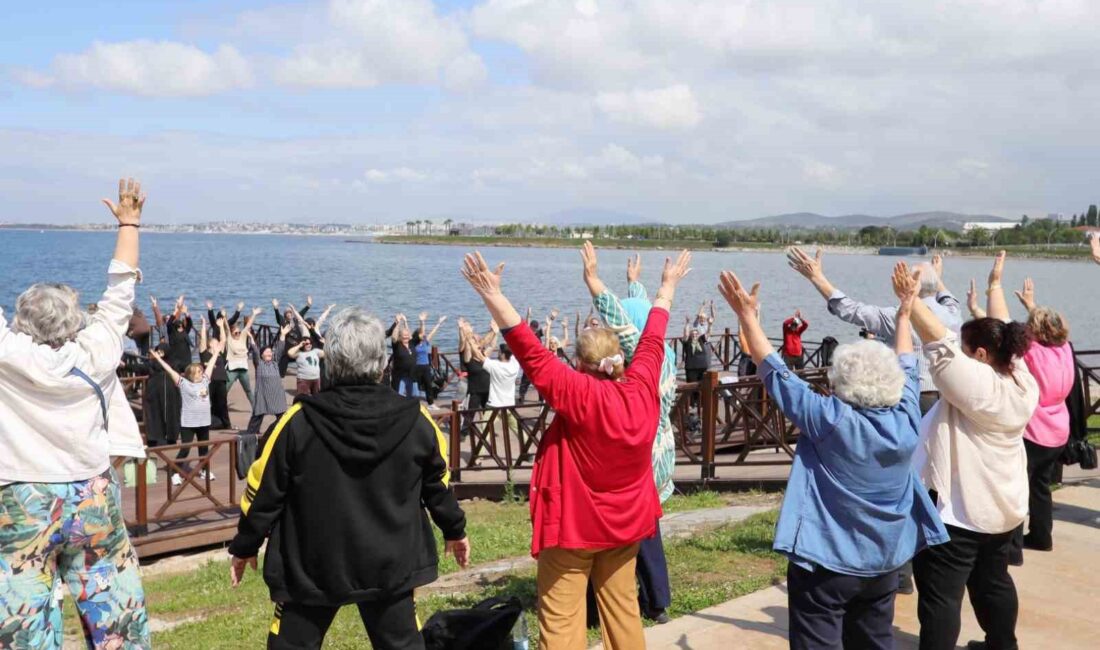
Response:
column 706, row 569
column 1094, row 423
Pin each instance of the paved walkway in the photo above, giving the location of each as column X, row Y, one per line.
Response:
column 1057, row 597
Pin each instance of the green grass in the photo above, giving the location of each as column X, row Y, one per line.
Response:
column 1094, row 423
column 705, row 570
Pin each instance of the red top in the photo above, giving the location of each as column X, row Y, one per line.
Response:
column 792, row 337
column 592, row 485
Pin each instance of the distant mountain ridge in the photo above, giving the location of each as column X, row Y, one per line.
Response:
column 811, row 220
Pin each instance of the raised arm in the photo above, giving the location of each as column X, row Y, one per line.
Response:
column 215, row 349
column 650, row 353
column 710, row 319
column 202, row 334
column 278, row 314
column 158, row 318
column 438, row 324
column 816, row 416
column 236, row 314
column 309, row 305
column 906, row 288
column 996, row 304
column 168, row 370
column 1094, row 244
column 928, row 326
column 972, row 303
column 1027, row 295
column 324, row 316
column 812, row 269
column 131, row 201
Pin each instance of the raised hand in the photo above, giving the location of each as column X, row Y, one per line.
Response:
column 131, row 200
column 240, row 305
column 153, row 300
column 937, row 266
column 423, row 316
column 675, row 271
column 998, row 269
column 588, row 258
column 309, row 300
column 1094, row 243
column 745, row 304
column 1027, row 296
column 554, row 313
column 275, row 303
column 906, row 285
column 972, row 298
column 634, row 267
column 442, row 319
column 210, row 305
column 809, row 267
column 485, row 281
column 256, row 311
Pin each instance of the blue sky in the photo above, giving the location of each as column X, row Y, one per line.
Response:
column 692, row 111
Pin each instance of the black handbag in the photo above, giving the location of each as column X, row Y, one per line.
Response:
column 247, row 446
column 485, row 626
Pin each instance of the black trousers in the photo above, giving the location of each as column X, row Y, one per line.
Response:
column 192, row 434
column 219, row 404
column 391, row 625
column 833, row 610
column 976, row 563
column 693, row 375
column 794, row 362
column 1041, row 463
column 654, row 591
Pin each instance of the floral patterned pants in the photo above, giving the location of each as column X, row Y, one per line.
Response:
column 70, row 532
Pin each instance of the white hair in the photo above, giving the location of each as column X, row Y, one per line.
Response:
column 355, row 347
column 929, row 280
column 866, row 374
column 49, row 313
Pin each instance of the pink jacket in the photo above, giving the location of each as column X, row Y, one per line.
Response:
column 1052, row 368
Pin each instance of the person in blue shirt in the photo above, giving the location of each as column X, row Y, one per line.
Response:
column 854, row 511
column 423, row 351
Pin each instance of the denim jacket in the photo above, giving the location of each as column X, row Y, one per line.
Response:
column 853, row 504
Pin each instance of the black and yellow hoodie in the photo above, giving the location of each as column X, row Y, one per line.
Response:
column 341, row 488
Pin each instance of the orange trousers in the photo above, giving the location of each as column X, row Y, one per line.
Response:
column 563, row 576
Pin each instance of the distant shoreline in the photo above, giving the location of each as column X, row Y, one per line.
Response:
column 1079, row 254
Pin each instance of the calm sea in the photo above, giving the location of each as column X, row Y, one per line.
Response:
column 390, row 278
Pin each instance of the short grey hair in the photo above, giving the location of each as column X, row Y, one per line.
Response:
column 867, row 374
column 355, row 347
column 929, row 280
column 49, row 313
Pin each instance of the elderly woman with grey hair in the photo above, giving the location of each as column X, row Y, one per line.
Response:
column 341, row 491
column 855, row 511
column 63, row 414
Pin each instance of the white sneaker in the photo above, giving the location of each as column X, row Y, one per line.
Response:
column 210, row 475
column 177, row 479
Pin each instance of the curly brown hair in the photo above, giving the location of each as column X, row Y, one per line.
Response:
column 1047, row 326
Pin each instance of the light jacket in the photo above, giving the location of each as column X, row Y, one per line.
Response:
column 51, row 422
column 853, row 503
column 972, row 441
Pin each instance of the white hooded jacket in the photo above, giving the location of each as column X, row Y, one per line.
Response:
column 51, row 422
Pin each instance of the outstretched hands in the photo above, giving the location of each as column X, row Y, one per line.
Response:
column 1027, row 295
column 998, row 269
column 808, row 267
column 745, row 304
column 130, row 202
column 591, row 271
column 906, row 285
column 674, row 272
column 485, row 281
column 633, row 268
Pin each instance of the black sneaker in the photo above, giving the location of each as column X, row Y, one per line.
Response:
column 1031, row 544
column 659, row 617
column 976, row 645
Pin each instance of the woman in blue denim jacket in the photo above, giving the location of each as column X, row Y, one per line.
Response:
column 854, row 510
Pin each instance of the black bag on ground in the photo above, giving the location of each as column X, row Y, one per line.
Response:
column 1078, row 450
column 486, row 626
column 247, row 445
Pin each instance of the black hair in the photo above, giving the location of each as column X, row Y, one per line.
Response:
column 505, row 351
column 1002, row 341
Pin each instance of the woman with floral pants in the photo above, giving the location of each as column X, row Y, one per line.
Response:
column 63, row 415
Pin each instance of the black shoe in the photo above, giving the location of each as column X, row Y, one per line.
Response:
column 1031, row 544
column 659, row 617
column 905, row 584
column 976, row 645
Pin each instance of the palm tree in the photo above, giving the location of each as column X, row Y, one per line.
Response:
column 447, row 224
column 428, row 223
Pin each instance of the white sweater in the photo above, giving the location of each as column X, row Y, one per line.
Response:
column 972, row 446
column 51, row 424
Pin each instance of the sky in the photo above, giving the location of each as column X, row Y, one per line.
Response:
column 358, row 111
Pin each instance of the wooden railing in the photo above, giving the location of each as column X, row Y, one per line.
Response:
column 1088, row 361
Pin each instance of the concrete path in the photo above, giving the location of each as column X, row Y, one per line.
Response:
column 1057, row 591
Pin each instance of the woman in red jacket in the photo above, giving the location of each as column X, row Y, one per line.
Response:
column 592, row 492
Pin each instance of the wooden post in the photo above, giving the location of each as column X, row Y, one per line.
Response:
column 141, row 500
column 708, row 402
column 233, row 472
column 456, row 440
column 727, row 360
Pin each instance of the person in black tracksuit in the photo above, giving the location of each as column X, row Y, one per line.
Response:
column 341, row 490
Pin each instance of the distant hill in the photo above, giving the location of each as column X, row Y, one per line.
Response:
column 811, row 220
column 589, row 217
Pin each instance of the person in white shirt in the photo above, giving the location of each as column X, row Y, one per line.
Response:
column 63, row 414
column 971, row 458
column 503, row 374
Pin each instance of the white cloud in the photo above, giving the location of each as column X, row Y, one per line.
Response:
column 674, row 107
column 147, row 68
column 373, row 42
column 395, row 175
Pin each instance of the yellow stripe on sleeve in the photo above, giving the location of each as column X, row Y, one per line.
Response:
column 256, row 471
column 442, row 440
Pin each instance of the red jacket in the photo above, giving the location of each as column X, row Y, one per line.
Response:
column 592, row 485
column 792, row 337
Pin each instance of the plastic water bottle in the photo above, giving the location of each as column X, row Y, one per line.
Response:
column 519, row 634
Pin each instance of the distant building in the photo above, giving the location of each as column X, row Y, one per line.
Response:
column 989, row 225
